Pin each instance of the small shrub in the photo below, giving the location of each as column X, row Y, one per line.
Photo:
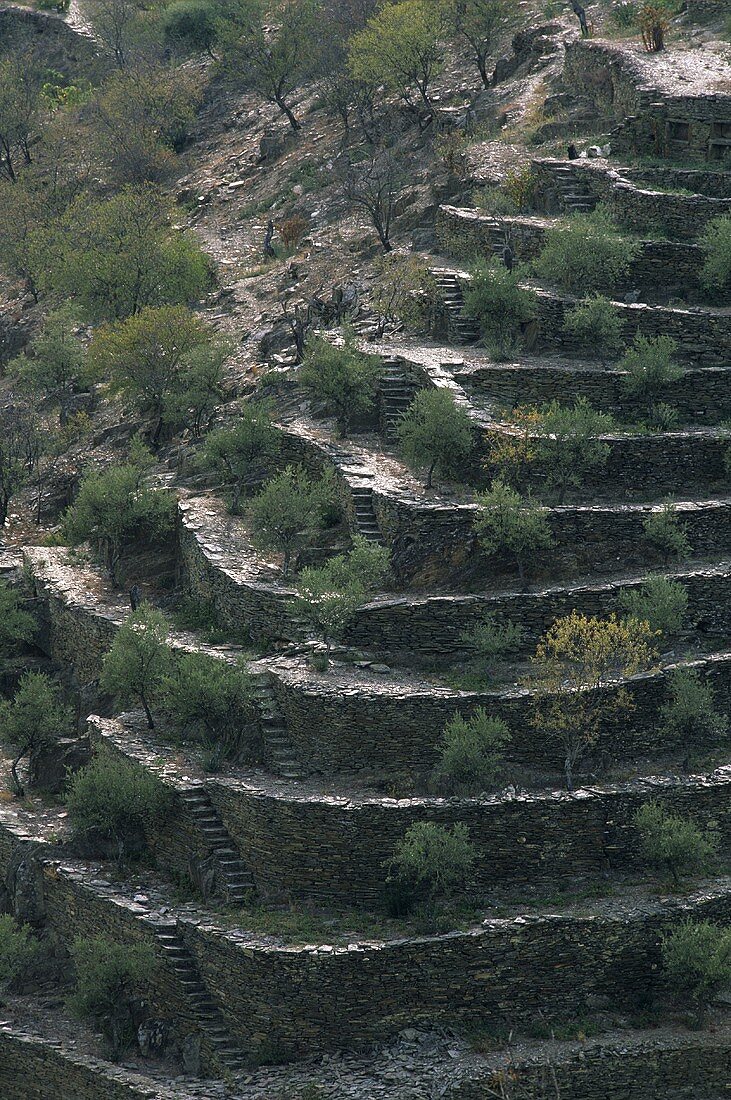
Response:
column 292, row 230
column 624, row 15
column 663, row 417
column 190, row 25
column 690, row 714
column 697, row 961
column 139, row 660
column 20, row 951
column 431, row 863
column 404, row 293
column 436, row 432
column 653, row 18
column 113, row 980
column 491, row 641
column 471, row 754
column 512, row 524
column 666, row 534
column 519, row 186
column 597, row 325
column 661, row 603
column 495, row 298
column 17, row 626
column 241, row 451
column 715, row 241
column 673, row 843
column 586, row 254
column 650, row 368
column 343, row 378
column 212, row 701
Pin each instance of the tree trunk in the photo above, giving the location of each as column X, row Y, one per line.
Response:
column 285, row 563
column 148, row 715
column 293, row 122
column 521, row 572
column 18, row 789
column 482, row 66
column 429, row 475
column 569, row 770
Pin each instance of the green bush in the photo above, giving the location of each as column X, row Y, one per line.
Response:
column 136, row 666
column 666, row 534
column 508, row 523
column 34, row 718
column 111, row 800
column 16, row 625
column 344, row 379
column 239, row 452
column 585, row 254
column 673, row 843
column 624, row 15
column 597, row 325
column 715, row 241
column 113, row 980
column 56, row 365
column 690, row 714
column 213, row 701
column 471, row 754
column 20, row 951
column 490, row 641
column 431, row 864
column 650, row 368
column 495, row 298
column 697, row 960
column 661, row 602
column 436, row 432
column 289, row 507
column 568, row 446
column 190, row 25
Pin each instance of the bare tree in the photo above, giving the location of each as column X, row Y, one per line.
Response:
column 375, row 186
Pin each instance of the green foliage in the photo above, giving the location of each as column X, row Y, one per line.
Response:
column 20, row 951
column 16, row 625
column 568, row 447
column 343, row 379
column 114, row 509
column 239, row 452
column 666, row 534
column 672, row 842
column 36, row 716
column 495, row 298
column 117, row 255
column 329, row 595
column 585, row 254
column 431, row 863
column 512, row 524
column 213, row 701
column 697, row 960
column 288, row 507
column 56, row 365
column 491, row 641
column 715, row 241
column 690, row 714
column 139, row 661
column 624, row 15
column 661, row 603
column 112, row 981
column 190, row 25
column 471, row 754
column 596, row 323
column 436, row 432
column 399, row 49
column 479, row 22
column 650, row 368
column 111, row 799
column 404, row 292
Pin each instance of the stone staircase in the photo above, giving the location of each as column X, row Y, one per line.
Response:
column 233, row 874
column 462, row 330
column 396, row 395
column 366, row 523
column 279, row 749
column 573, row 195
column 205, row 1010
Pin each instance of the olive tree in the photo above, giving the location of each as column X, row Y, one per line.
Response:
column 508, row 523
column 139, row 661
column 33, row 719
column 435, row 432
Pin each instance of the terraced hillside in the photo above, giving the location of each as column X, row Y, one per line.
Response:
column 403, row 786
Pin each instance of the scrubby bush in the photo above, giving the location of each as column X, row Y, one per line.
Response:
column 139, row 661
column 213, row 701
column 508, row 523
column 650, row 368
column 20, row 951
column 597, row 325
column 690, row 715
column 660, row 602
column 490, row 641
column 569, row 447
column 190, row 25
column 55, row 362
column 287, row 508
column 513, row 454
column 404, row 293
column 436, row 432
column 673, row 843
column 113, row 982
column 715, row 241
column 292, row 230
column 586, row 253
column 431, row 864
column 697, row 961
column 471, row 754
column 666, row 534
column 653, row 18
column 240, row 452
column 495, row 298
column 34, row 718
column 109, row 803
column 344, row 379
column 16, row 625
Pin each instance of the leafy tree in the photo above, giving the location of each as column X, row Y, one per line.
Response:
column 238, row 453
column 715, row 240
column 198, row 389
column 435, row 432
column 585, row 254
column 673, row 842
column 491, row 641
column 597, row 325
column 400, row 49
column 34, row 718
column 431, row 863
column 139, row 661
column 20, row 951
column 21, row 112
column 374, row 185
column 117, row 23
column 471, row 754
column 697, row 961
column 272, row 52
column 666, row 534
column 118, row 255
column 113, row 980
column 650, row 368
column 343, row 378
column 23, row 215
column 479, row 22
column 287, row 508
column 578, row 659
column 56, row 365
column 16, row 625
column 690, row 714
column 404, row 293
column 213, row 701
column 495, row 298
column 569, row 447
column 190, row 25
column 513, row 454
column 660, row 602
column 21, row 445
column 508, row 523
column 114, row 510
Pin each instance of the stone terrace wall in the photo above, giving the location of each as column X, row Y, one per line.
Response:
column 715, row 185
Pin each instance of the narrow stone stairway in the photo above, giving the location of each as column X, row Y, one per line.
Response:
column 574, row 196
column 396, row 396
column 236, row 877
column 462, row 330
column 366, row 523
column 279, row 749
column 207, row 1013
